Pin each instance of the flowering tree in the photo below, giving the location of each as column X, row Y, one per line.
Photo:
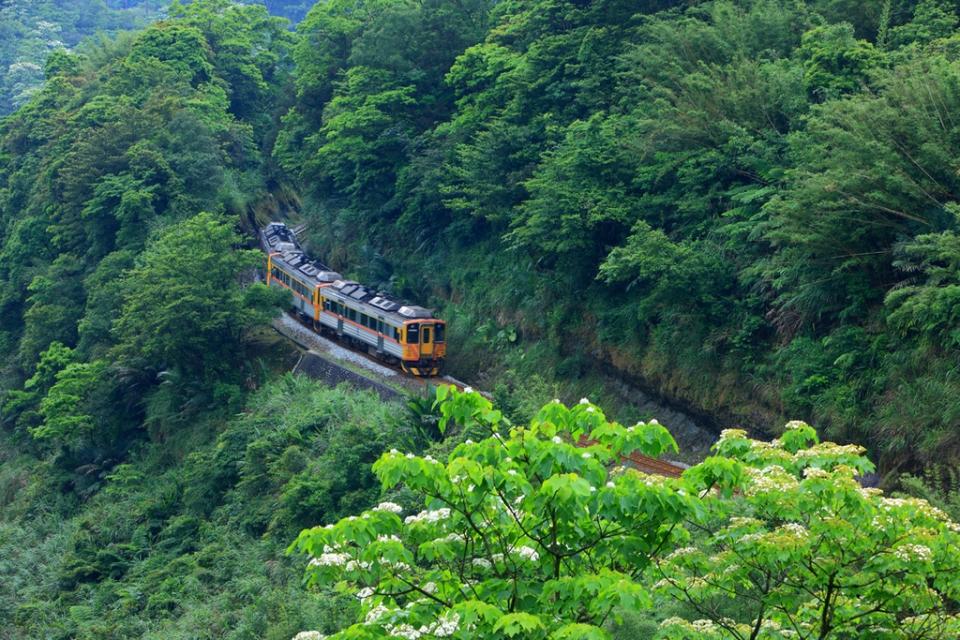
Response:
column 803, row 551
column 524, row 534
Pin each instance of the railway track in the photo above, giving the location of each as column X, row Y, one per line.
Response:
column 309, row 339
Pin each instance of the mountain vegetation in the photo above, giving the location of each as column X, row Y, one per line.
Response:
column 747, row 206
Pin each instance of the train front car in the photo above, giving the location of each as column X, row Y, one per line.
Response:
column 424, row 343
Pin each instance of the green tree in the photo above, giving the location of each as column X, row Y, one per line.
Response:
column 527, row 535
column 804, row 551
column 524, row 534
column 183, row 304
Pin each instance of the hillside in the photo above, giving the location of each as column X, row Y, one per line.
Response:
column 747, row 206
column 746, row 209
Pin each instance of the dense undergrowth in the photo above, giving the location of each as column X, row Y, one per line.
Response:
column 186, row 540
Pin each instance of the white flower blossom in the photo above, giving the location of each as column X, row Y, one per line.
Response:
column 390, row 538
column 309, row 635
column 909, row 552
column 610, row 485
column 586, row 455
column 584, row 401
column 468, row 389
column 375, row 614
column 330, row 560
column 528, row 553
column 365, row 593
column 512, row 472
column 483, row 563
column 590, row 409
column 390, row 507
column 435, row 515
column 410, row 456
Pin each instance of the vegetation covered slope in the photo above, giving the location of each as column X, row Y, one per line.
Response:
column 750, row 205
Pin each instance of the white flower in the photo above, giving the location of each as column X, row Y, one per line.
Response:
column 468, row 389
column 584, row 401
column 428, row 516
column 410, row 456
column 430, row 587
column 365, row 593
column 375, row 614
column 610, row 485
column 468, row 441
column 815, row 472
column 394, row 451
column 447, row 625
column 508, row 459
column 330, row 560
column 590, row 409
column 528, row 553
column 913, row 552
column 390, row 538
column 555, row 400
column 653, row 421
column 483, row 563
column 593, row 489
column 586, row 455
column 429, row 458
column 391, row 507
column 404, row 631
column 557, row 440
column 512, row 472
column 309, row 635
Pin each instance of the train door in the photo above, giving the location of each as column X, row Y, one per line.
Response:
column 380, row 328
column 426, row 341
column 339, row 319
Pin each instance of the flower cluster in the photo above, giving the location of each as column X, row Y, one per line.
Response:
column 430, row 516
column 390, row 507
column 909, row 552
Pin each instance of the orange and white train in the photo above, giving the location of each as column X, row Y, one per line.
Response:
column 387, row 328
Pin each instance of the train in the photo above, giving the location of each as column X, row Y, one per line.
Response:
column 389, row 329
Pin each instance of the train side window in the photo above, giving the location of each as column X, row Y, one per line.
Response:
column 438, row 331
column 396, row 334
column 413, row 334
column 363, row 320
column 353, row 314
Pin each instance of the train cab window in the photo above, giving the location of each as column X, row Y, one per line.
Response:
column 413, row 334
column 396, row 334
column 439, row 331
column 426, row 335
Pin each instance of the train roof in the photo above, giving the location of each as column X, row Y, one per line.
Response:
column 277, row 238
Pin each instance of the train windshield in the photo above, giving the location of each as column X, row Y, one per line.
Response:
column 413, row 334
column 438, row 332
